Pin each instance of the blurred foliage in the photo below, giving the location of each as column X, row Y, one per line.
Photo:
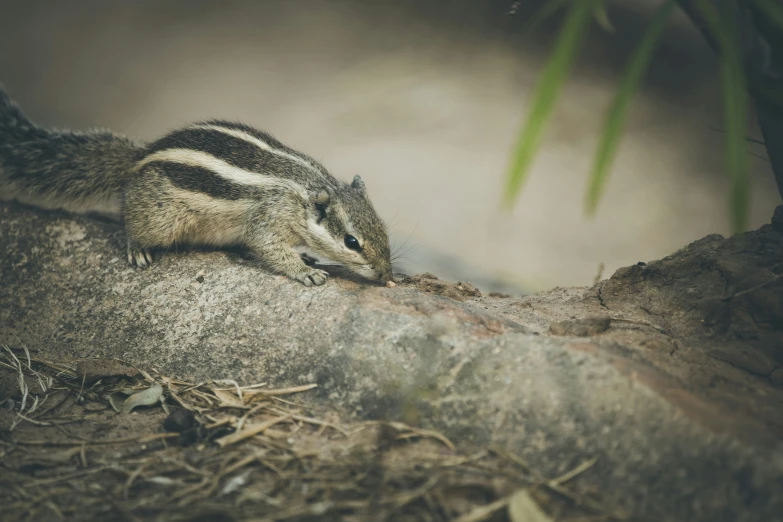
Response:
column 578, row 17
column 546, row 93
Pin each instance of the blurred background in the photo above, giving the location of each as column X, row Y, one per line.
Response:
column 424, row 99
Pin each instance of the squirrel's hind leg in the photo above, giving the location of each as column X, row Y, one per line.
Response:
column 152, row 218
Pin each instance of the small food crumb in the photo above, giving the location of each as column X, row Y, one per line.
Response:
column 390, row 284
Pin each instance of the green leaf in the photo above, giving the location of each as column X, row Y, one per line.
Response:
column 602, row 17
column 546, row 93
column 735, row 107
column 613, row 125
column 735, row 113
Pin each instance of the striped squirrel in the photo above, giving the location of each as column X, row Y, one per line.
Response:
column 214, row 183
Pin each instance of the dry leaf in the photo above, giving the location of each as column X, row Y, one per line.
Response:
column 522, row 508
column 228, row 399
column 143, row 398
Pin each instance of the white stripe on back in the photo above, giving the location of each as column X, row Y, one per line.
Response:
column 196, row 158
column 246, row 136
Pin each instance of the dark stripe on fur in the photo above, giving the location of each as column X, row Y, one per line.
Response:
column 204, row 181
column 245, row 155
column 268, row 139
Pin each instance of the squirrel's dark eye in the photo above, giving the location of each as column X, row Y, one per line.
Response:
column 352, row 243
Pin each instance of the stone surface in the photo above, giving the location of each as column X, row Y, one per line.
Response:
column 679, row 434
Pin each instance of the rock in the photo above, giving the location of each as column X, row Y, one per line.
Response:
column 586, row 327
column 93, row 369
column 679, row 435
column 430, row 283
column 748, row 360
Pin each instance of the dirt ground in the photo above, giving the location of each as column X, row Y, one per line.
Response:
column 701, row 328
column 711, row 314
column 228, row 453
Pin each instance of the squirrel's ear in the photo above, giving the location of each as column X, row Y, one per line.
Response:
column 358, row 184
column 320, row 198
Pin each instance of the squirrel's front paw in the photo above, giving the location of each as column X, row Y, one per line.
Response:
column 312, row 277
column 139, row 257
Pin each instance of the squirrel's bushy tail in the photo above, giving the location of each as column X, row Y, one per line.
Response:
column 79, row 172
